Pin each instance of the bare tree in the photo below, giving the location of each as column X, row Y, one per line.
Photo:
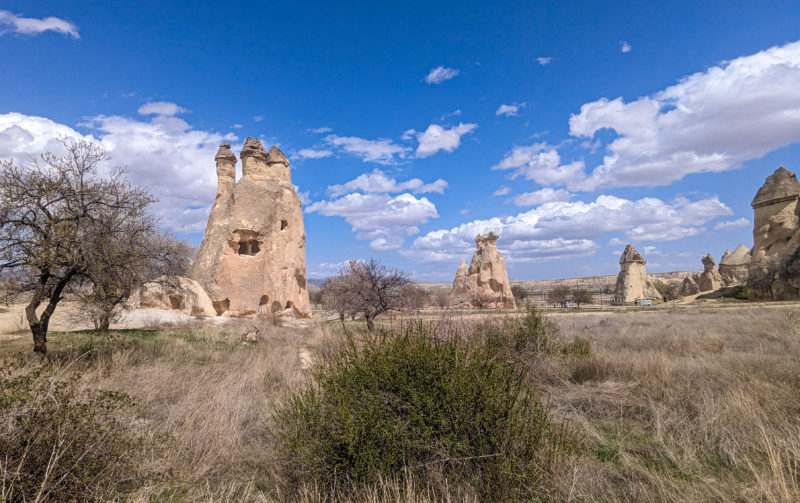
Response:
column 372, row 288
column 581, row 296
column 337, row 297
column 442, row 300
column 519, row 293
column 412, row 297
column 559, row 294
column 60, row 220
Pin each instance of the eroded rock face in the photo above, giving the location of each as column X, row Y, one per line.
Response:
column 253, row 255
column 689, row 286
column 632, row 283
column 734, row 266
column 175, row 293
column 485, row 282
column 774, row 271
column 709, row 279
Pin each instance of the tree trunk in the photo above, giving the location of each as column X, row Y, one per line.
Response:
column 39, row 338
column 39, row 324
column 370, row 322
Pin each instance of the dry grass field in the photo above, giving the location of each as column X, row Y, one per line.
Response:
column 670, row 405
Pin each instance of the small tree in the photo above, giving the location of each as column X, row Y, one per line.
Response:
column 61, row 223
column 559, row 294
column 581, row 296
column 412, row 297
column 519, row 292
column 371, row 288
column 442, row 300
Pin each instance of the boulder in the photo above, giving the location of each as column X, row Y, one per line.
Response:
column 689, row 286
column 174, row 293
column 710, row 279
column 774, row 271
column 734, row 266
column 632, row 283
column 252, row 258
column 485, row 283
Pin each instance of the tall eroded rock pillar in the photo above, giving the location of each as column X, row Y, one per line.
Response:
column 252, row 258
column 632, row 284
column 485, row 283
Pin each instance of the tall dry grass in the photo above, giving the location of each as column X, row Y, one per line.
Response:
column 672, row 405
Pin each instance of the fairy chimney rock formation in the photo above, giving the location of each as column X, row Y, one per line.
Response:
column 253, row 255
column 486, row 279
column 774, row 271
column 710, row 279
column 734, row 266
column 632, row 283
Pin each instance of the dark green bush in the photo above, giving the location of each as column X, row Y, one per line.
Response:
column 529, row 335
column 439, row 411
column 580, row 348
column 56, row 445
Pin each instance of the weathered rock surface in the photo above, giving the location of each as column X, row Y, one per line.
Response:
column 486, row 280
column 709, row 279
column 689, row 286
column 774, row 271
column 735, row 265
column 253, row 255
column 175, row 293
column 632, row 283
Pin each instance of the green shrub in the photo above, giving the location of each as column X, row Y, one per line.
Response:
column 515, row 338
column 440, row 411
column 580, row 348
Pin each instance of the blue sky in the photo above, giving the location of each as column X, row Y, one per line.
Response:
column 569, row 128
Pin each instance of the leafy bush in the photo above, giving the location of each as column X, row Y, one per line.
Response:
column 580, row 348
column 57, row 445
column 515, row 338
column 441, row 411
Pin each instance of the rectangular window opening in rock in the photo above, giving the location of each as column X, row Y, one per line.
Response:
column 284, row 224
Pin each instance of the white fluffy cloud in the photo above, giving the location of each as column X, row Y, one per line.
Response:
column 508, row 110
column 383, row 219
column 163, row 153
column 378, row 182
column 310, row 153
column 544, row 60
column 733, row 224
column 625, row 47
column 437, row 138
column 565, row 229
column 381, row 151
column 440, row 74
column 502, row 191
column 12, row 23
column 161, row 108
column 711, row 121
column 541, row 196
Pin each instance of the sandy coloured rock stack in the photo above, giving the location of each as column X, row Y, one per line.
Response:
column 774, row 271
column 253, row 255
column 486, row 281
column 710, row 279
column 632, row 283
column 735, row 265
column 689, row 286
column 174, row 293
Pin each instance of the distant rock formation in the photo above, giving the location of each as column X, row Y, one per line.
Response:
column 632, row 283
column 710, row 279
column 735, row 265
column 485, row 283
column 253, row 255
column 774, row 271
column 689, row 286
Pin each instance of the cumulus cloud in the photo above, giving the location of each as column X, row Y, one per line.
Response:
column 733, row 224
column 160, row 108
column 615, row 241
column 320, row 130
column 440, row 74
column 378, row 182
column 710, row 121
column 509, row 110
column 12, row 23
column 502, row 191
column 258, row 118
column 310, row 153
column 381, row 151
column 541, row 163
column 383, row 219
column 437, row 138
column 541, row 196
column 568, row 229
column 625, row 47
column 542, row 60
column 165, row 154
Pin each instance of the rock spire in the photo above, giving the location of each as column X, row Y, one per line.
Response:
column 485, row 283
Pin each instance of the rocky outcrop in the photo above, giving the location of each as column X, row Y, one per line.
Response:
column 689, row 286
column 253, row 255
column 774, row 271
column 710, row 278
column 632, row 283
column 486, row 281
column 174, row 293
column 734, row 266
